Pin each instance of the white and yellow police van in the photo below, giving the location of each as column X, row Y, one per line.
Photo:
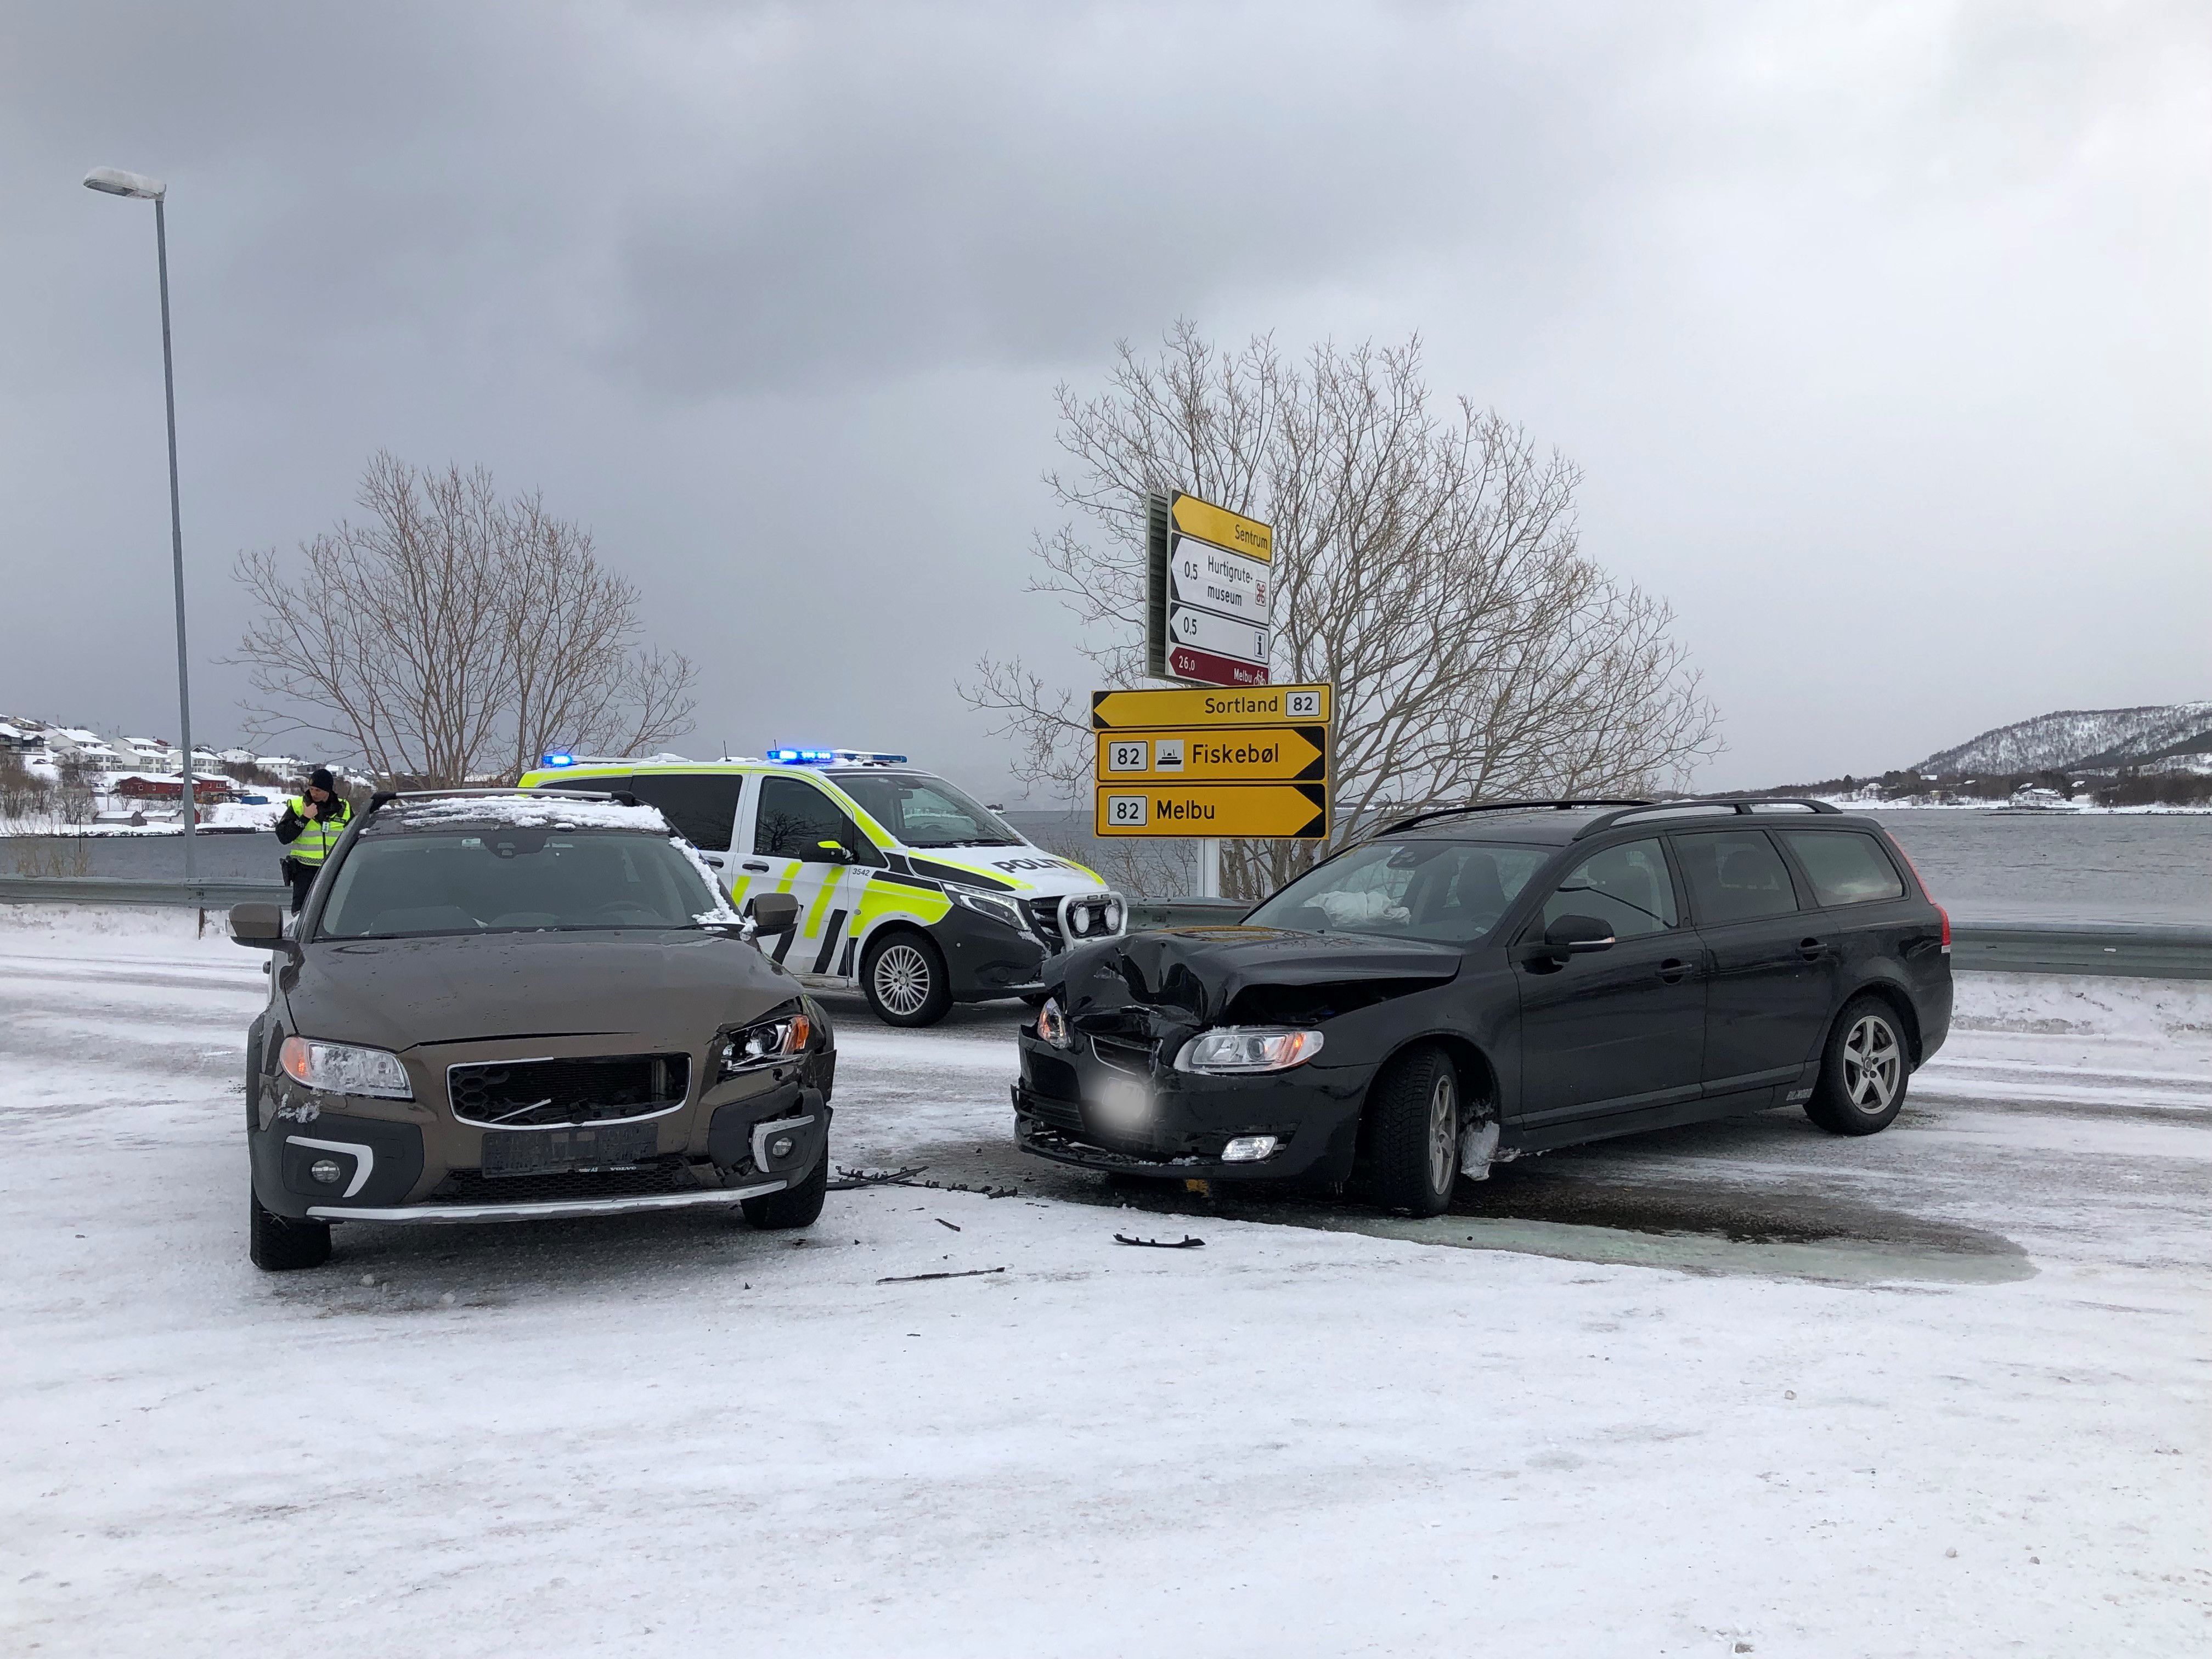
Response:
column 907, row 887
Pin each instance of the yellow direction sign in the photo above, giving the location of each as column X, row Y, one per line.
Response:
column 1296, row 812
column 1237, row 754
column 1223, row 528
column 1253, row 705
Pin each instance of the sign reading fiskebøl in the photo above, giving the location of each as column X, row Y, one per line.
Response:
column 1209, row 616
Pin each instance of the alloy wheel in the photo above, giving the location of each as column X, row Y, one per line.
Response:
column 903, row 979
column 1443, row 1132
column 1873, row 1064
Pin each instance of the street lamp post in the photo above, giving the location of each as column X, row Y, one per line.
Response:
column 115, row 182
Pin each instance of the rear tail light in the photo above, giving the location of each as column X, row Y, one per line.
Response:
column 1946, row 916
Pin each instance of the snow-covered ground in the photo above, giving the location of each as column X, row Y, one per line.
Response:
column 1738, row 1389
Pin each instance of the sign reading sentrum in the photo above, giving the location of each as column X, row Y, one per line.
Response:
column 1252, row 762
column 1209, row 616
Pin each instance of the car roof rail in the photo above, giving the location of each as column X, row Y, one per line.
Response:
column 1745, row 805
column 1504, row 807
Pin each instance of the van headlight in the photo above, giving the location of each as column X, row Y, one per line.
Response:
column 1239, row 1048
column 344, row 1068
column 1002, row 911
column 1052, row 1025
column 782, row 1036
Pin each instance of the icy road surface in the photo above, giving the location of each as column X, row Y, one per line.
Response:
column 1744, row 1389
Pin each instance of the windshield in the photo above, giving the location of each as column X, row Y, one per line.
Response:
column 1451, row 892
column 495, row 880
column 926, row 811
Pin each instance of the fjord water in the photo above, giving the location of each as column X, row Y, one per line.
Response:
column 1982, row 865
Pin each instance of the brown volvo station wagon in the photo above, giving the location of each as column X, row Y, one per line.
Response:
column 497, row 1006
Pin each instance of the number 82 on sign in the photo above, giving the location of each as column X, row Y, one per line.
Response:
column 1127, row 812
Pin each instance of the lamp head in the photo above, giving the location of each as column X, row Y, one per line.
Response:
column 113, row 181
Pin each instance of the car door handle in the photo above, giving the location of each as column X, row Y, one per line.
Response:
column 1811, row 949
column 1674, row 971
column 713, row 859
column 760, row 869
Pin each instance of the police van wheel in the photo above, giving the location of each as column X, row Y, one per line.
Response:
column 902, row 976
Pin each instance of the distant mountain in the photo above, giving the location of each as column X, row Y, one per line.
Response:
column 2176, row 736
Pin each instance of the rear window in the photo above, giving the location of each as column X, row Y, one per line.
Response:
column 700, row 807
column 1845, row 866
column 1735, row 878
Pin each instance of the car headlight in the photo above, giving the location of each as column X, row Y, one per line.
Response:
column 782, row 1036
column 344, row 1068
column 1052, row 1025
column 1231, row 1048
column 1003, row 911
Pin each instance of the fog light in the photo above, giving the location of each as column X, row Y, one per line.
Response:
column 780, row 1146
column 327, row 1170
column 1249, row 1149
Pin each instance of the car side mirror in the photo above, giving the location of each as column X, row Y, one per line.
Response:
column 1577, row 936
column 832, row 852
column 260, row 927
column 772, row 914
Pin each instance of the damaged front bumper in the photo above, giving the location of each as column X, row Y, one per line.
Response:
column 1073, row 1109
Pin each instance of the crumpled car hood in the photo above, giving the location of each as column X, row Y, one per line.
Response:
column 1190, row 976
column 677, row 989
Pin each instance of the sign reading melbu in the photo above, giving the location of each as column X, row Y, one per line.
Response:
column 1208, row 763
column 1210, row 592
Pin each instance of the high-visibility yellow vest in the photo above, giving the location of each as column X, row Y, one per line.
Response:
column 319, row 834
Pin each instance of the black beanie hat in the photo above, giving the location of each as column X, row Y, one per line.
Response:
column 320, row 779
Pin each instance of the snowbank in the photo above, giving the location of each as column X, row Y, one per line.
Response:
column 2083, row 1005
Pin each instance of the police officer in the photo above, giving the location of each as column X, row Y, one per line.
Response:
column 311, row 826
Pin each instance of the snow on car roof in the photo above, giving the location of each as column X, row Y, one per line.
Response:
column 521, row 811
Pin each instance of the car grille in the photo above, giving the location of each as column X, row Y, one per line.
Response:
column 1044, row 920
column 1134, row 1058
column 671, row 1173
column 539, row 1093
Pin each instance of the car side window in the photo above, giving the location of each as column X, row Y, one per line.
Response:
column 1845, row 866
column 1625, row 887
column 700, row 807
column 1735, row 877
column 794, row 818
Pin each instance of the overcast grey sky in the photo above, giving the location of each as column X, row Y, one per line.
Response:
column 1883, row 333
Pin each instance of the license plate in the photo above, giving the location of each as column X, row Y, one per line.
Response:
column 1121, row 1103
column 553, row 1152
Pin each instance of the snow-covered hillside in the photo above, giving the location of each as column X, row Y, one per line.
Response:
column 2102, row 737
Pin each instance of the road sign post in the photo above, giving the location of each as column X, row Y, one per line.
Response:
column 1249, row 762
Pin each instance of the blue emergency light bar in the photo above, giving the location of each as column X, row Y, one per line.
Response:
column 831, row 757
column 557, row 759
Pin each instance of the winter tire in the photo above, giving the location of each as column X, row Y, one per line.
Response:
column 902, row 976
column 1409, row 1140
column 279, row 1246
column 794, row 1207
column 1864, row 1068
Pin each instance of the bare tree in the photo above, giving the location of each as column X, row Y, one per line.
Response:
column 1427, row 563
column 454, row 636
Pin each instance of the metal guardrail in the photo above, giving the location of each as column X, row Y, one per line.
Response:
column 2134, row 951
column 126, row 890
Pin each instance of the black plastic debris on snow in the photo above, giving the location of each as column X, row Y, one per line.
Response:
column 942, row 1222
column 1186, row 1242
column 849, row 1180
column 916, row 1278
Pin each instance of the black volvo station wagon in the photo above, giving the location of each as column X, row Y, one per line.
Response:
column 1475, row 983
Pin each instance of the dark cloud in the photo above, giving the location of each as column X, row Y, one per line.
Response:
column 1878, row 330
